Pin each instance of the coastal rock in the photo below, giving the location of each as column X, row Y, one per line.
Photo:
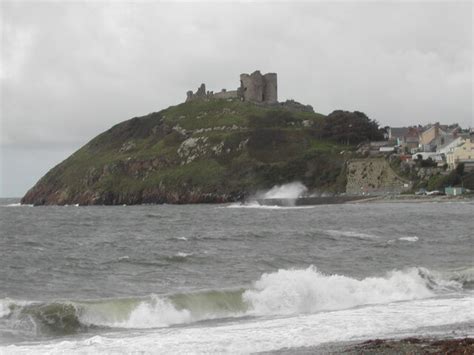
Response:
column 233, row 150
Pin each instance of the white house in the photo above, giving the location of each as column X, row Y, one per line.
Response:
column 449, row 147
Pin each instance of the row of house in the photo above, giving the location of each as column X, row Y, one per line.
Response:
column 444, row 144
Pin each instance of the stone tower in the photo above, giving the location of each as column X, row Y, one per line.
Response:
column 254, row 88
column 270, row 92
column 259, row 88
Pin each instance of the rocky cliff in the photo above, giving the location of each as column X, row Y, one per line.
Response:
column 374, row 176
column 196, row 152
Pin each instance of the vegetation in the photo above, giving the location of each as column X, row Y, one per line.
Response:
column 457, row 177
column 206, row 151
column 349, row 128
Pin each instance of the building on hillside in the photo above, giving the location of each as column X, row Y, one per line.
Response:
column 450, row 146
column 430, row 137
column 404, row 137
column 436, row 157
column 464, row 153
column 395, row 134
column 254, row 87
column 411, row 141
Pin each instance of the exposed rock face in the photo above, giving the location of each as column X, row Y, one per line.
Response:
column 197, row 152
column 374, row 176
column 296, row 106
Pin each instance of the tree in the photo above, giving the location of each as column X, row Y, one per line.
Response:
column 350, row 127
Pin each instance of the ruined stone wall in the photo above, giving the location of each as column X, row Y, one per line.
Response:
column 232, row 94
column 270, row 93
column 373, row 176
column 259, row 88
column 200, row 94
column 252, row 86
column 255, row 87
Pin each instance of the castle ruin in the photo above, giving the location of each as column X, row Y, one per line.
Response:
column 255, row 88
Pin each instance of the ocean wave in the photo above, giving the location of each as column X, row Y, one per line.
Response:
column 464, row 276
column 409, row 239
column 256, row 205
column 17, row 205
column 292, row 190
column 426, row 317
column 351, row 234
column 310, row 291
column 285, row 292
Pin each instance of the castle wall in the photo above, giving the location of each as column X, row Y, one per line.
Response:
column 270, row 92
column 252, row 86
column 225, row 95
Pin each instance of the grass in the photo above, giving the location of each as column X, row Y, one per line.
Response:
column 270, row 146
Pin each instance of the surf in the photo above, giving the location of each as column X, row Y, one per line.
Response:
column 281, row 293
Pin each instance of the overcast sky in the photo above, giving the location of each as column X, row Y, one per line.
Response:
column 71, row 70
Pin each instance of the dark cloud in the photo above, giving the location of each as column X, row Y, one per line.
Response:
column 71, row 70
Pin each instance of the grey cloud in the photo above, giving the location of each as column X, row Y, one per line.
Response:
column 71, row 70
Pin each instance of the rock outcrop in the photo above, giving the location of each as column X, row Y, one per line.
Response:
column 374, row 176
column 201, row 151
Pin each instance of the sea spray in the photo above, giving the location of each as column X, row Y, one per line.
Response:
column 292, row 190
column 154, row 312
column 309, row 291
column 289, row 192
column 284, row 292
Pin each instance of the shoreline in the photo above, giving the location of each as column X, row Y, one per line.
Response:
column 413, row 345
column 408, row 345
column 415, row 199
column 334, row 200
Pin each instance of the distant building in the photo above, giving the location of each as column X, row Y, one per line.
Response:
column 258, row 88
column 407, row 138
column 254, row 87
column 464, row 153
column 454, row 191
column 396, row 133
column 429, row 138
column 450, row 146
column 436, row 157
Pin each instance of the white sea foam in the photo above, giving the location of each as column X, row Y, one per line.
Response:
column 409, row 239
column 17, row 205
column 306, row 308
column 183, row 255
column 285, row 292
column 256, row 205
column 4, row 307
column 151, row 313
column 353, row 234
column 309, row 291
column 287, row 191
column 263, row 334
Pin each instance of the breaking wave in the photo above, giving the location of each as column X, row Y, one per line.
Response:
column 284, row 292
column 266, row 207
column 17, row 205
column 292, row 190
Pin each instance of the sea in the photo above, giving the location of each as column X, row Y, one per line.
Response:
column 232, row 278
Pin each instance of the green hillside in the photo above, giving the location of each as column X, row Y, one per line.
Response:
column 200, row 151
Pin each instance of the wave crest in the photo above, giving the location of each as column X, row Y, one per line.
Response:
column 283, row 292
column 309, row 291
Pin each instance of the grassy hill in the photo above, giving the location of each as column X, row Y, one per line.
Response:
column 200, row 151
